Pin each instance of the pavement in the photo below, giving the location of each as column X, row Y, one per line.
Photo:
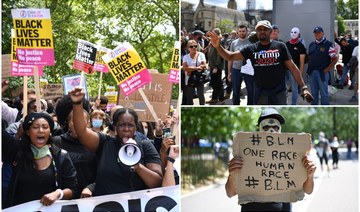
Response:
column 339, row 192
column 340, row 96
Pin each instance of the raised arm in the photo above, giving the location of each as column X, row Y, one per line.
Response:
column 227, row 55
column 87, row 137
column 310, row 167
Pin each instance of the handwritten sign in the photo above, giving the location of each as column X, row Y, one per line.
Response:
column 5, row 65
column 52, row 91
column 85, row 56
column 33, row 36
column 157, row 199
column 174, row 75
column 99, row 62
column 127, row 68
column 158, row 93
column 272, row 170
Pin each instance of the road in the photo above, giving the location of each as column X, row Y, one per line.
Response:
column 331, row 194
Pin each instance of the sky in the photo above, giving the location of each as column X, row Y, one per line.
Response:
column 241, row 4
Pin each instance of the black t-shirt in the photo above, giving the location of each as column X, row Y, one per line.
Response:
column 33, row 184
column 295, row 51
column 84, row 161
column 268, row 62
column 113, row 176
column 267, row 206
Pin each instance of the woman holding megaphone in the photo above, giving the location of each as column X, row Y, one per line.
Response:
column 113, row 176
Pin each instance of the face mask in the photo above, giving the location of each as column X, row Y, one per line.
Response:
column 145, row 131
column 270, row 125
column 97, row 123
column 55, row 125
column 40, row 153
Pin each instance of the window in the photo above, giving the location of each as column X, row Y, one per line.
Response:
column 209, row 24
column 202, row 14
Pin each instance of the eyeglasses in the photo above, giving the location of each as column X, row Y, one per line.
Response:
column 124, row 125
column 192, row 47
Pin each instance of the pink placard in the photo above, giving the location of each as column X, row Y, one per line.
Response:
column 101, row 68
column 135, row 82
column 35, row 56
column 24, row 70
column 174, row 76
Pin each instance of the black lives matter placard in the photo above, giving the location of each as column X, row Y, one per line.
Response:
column 272, row 169
column 85, row 56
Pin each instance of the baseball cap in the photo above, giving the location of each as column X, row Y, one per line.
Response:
column 318, row 29
column 264, row 23
column 198, row 32
column 271, row 113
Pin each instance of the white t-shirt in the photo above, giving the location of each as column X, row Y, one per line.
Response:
column 355, row 52
column 193, row 62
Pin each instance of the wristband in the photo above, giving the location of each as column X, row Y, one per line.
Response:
column 172, row 160
column 61, row 193
column 304, row 88
column 77, row 103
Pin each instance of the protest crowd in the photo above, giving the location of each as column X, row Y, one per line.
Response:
column 205, row 68
column 64, row 150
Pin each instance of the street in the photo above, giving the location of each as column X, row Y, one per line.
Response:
column 337, row 193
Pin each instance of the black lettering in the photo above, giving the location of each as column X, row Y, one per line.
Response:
column 269, row 140
column 268, row 184
column 160, row 201
column 291, row 183
column 73, row 207
column 109, row 206
column 134, row 204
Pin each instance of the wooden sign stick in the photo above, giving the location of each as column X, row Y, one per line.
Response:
column 141, row 91
column 37, row 88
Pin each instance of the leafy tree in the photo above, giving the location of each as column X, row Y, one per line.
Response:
column 353, row 11
column 341, row 25
column 150, row 26
column 225, row 25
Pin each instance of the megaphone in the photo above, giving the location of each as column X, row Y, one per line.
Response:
column 130, row 153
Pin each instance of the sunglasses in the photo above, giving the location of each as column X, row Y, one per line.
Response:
column 266, row 128
column 192, row 47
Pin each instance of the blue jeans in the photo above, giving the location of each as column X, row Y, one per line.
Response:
column 236, row 79
column 344, row 74
column 319, row 85
column 294, row 89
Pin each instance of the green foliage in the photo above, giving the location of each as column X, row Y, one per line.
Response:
column 226, row 25
column 150, row 26
column 341, row 25
column 348, row 10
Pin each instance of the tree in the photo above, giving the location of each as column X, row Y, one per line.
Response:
column 341, row 25
column 151, row 29
column 353, row 11
column 225, row 25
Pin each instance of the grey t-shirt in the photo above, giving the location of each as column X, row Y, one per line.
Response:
column 237, row 45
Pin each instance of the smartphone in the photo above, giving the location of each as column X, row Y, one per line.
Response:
column 166, row 132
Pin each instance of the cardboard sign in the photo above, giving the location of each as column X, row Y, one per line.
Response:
column 174, row 74
column 85, row 56
column 70, row 82
column 158, row 199
column 5, row 66
column 33, row 36
column 158, row 93
column 272, row 170
column 52, row 91
column 99, row 62
column 127, row 68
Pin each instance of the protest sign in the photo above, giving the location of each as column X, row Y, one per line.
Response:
column 71, row 81
column 5, row 65
column 85, row 56
column 99, row 62
column 273, row 169
column 19, row 69
column 127, row 68
column 174, row 75
column 158, row 199
column 52, row 91
column 33, row 36
column 158, row 92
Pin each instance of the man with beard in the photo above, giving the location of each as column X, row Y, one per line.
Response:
column 234, row 69
column 268, row 58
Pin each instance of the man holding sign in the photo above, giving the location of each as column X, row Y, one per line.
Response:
column 265, row 172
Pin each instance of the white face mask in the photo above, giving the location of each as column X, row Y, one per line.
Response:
column 145, row 131
column 294, row 33
column 270, row 125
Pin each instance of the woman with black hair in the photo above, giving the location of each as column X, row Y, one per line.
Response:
column 84, row 160
column 40, row 169
column 113, row 176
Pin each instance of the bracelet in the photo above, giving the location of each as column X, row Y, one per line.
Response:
column 304, row 88
column 61, row 193
column 77, row 103
column 172, row 160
